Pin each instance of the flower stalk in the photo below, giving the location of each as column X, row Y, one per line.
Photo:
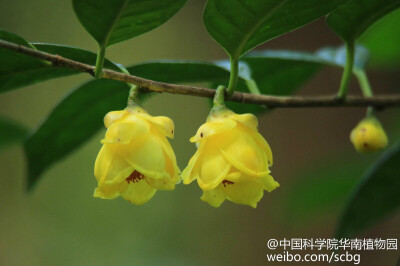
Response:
column 348, row 70
column 219, row 98
column 133, row 98
column 365, row 88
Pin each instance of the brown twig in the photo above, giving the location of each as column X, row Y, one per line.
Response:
column 381, row 101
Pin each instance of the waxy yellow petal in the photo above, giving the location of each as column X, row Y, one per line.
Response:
column 146, row 156
column 246, row 192
column 162, row 123
column 264, row 144
column 113, row 116
column 139, row 192
column 248, row 120
column 128, row 129
column 212, row 128
column 189, row 174
column 214, row 197
column 269, row 183
column 213, row 167
column 110, row 165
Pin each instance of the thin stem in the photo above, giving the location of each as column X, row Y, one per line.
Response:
column 133, row 98
column 234, row 76
column 365, row 88
column 123, row 69
column 219, row 98
column 364, row 82
column 348, row 70
column 370, row 111
column 252, row 86
column 161, row 87
column 100, row 61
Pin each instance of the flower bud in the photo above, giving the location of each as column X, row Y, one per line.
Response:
column 368, row 136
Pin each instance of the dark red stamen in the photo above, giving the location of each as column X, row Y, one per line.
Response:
column 134, row 177
column 227, row 182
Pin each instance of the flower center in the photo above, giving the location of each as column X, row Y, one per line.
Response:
column 227, row 182
column 134, row 177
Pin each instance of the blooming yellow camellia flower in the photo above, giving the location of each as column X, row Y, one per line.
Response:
column 232, row 160
column 369, row 136
column 136, row 158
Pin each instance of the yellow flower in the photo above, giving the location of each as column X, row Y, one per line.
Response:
column 232, row 160
column 136, row 158
column 368, row 136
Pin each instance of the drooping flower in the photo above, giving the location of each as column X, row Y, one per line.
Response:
column 232, row 160
column 369, row 136
column 136, row 159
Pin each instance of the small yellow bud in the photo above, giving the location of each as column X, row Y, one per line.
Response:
column 369, row 136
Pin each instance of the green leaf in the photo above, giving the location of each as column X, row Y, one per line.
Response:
column 74, row 53
column 181, row 71
column 19, row 70
column 13, row 64
column 269, row 76
column 11, row 37
column 239, row 25
column 74, row 120
column 382, row 40
column 10, row 132
column 271, row 69
column 353, row 18
column 376, row 196
column 266, row 72
column 80, row 114
column 111, row 22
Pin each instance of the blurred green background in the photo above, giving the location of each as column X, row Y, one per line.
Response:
column 60, row 223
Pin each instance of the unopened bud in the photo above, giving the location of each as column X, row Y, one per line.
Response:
column 369, row 136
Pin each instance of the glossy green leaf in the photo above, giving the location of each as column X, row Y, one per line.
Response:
column 269, row 76
column 18, row 70
column 180, row 71
column 74, row 53
column 111, row 22
column 10, row 132
column 74, row 120
column 351, row 19
column 240, row 25
column 376, row 196
column 13, row 64
column 382, row 40
column 80, row 114
column 271, row 69
column 267, row 73
column 11, row 37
